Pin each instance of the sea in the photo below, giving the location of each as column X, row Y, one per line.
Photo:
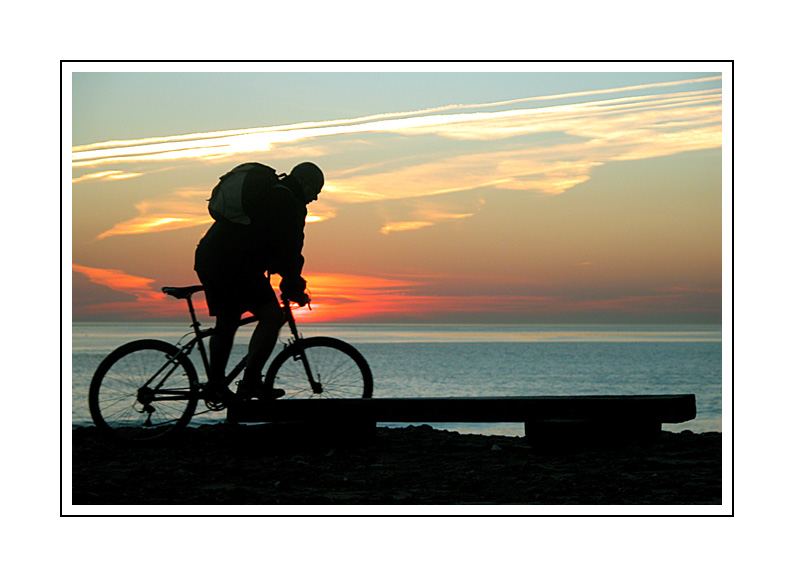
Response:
column 476, row 360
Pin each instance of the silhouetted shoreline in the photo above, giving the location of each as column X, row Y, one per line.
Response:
column 277, row 464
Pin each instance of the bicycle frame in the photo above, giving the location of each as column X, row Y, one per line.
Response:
column 201, row 334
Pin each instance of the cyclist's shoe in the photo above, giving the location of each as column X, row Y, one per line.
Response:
column 214, row 395
column 259, row 391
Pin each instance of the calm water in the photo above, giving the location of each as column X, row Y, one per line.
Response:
column 481, row 360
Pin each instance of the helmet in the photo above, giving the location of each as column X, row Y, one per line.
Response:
column 309, row 175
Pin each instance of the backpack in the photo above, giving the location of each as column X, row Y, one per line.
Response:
column 226, row 201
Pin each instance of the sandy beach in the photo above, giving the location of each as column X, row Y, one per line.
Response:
column 417, row 465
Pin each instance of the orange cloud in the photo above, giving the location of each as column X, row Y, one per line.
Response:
column 356, row 298
column 155, row 223
column 350, row 298
column 338, row 298
column 188, row 208
column 403, row 226
column 319, row 215
column 118, row 280
column 148, row 301
column 182, row 211
column 434, row 217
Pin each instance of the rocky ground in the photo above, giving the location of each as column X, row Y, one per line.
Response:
column 278, row 464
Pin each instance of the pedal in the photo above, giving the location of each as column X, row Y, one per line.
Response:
column 214, row 405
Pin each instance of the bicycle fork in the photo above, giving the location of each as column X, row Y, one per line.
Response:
column 317, row 387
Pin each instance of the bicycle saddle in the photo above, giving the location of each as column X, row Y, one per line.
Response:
column 182, row 292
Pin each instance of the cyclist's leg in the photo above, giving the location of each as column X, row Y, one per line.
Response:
column 219, row 286
column 264, row 338
column 221, row 343
column 223, row 306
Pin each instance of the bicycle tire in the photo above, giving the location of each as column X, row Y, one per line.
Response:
column 342, row 370
column 122, row 407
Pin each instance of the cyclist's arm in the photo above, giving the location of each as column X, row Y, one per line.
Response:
column 287, row 234
column 280, row 218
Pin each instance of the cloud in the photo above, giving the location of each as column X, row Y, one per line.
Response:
column 106, row 175
column 403, row 226
column 139, row 287
column 319, row 215
column 576, row 138
column 342, row 297
column 429, row 217
column 148, row 303
column 153, row 223
column 536, row 170
column 185, row 209
column 334, row 296
column 116, row 279
column 604, row 132
column 337, row 297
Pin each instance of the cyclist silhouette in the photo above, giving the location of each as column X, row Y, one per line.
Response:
column 258, row 230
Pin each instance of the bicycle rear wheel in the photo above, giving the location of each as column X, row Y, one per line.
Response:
column 143, row 391
column 336, row 365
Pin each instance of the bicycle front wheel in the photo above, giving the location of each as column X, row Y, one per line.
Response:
column 337, row 368
column 143, row 391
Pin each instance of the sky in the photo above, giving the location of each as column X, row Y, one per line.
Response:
column 489, row 196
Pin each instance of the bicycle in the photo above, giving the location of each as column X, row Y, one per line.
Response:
column 148, row 390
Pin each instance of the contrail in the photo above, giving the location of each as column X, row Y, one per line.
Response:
column 263, row 138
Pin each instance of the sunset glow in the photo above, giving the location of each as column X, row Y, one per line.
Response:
column 465, row 197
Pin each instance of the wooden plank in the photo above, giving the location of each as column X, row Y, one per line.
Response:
column 599, row 408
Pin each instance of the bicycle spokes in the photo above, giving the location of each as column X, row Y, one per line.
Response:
column 143, row 390
column 320, row 367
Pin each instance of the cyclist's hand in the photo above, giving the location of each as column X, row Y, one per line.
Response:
column 303, row 300
column 294, row 290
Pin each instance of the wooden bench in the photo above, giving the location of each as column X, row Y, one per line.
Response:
column 544, row 417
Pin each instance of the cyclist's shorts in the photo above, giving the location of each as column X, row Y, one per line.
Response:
column 232, row 283
column 233, row 288
column 236, row 293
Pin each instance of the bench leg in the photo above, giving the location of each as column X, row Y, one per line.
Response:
column 575, row 434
